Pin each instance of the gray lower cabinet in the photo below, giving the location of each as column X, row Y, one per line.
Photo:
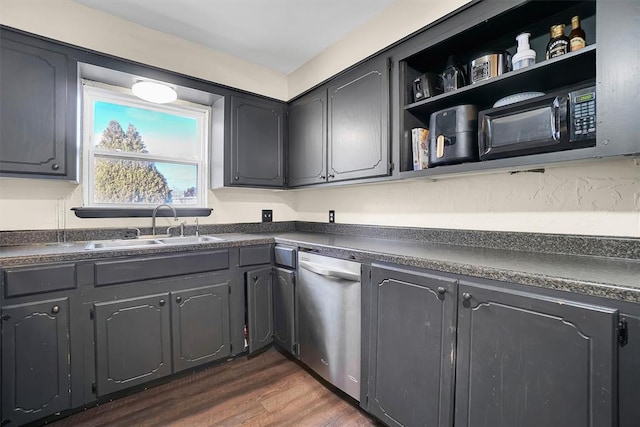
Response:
column 411, row 347
column 307, row 139
column 530, row 361
column 35, row 360
column 260, row 307
column 284, row 309
column 38, row 117
column 257, row 142
column 132, row 342
column 358, row 120
column 200, row 325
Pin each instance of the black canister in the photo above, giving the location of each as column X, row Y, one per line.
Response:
column 452, row 76
column 453, row 135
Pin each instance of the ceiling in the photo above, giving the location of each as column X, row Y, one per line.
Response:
column 279, row 34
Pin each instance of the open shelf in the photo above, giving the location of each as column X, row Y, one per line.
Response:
column 497, row 33
column 542, row 76
column 521, row 163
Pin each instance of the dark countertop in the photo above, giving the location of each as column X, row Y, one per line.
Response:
column 606, row 277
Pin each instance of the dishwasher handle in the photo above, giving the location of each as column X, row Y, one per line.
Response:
column 324, row 270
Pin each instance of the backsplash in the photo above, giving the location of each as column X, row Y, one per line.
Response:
column 616, row 247
column 28, row 237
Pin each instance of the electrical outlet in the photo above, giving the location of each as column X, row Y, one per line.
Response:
column 332, row 216
column 267, row 215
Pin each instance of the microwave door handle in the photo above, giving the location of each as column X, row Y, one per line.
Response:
column 558, row 117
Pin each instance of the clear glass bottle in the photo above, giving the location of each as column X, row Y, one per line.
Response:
column 577, row 37
column 559, row 43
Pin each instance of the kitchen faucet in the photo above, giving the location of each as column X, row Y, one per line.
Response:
column 153, row 216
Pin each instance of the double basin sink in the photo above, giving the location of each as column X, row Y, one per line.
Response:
column 151, row 242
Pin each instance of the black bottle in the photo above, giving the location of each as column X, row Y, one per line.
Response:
column 452, row 76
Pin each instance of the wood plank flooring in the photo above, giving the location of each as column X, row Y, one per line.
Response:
column 265, row 390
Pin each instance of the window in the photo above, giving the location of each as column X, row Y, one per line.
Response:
column 140, row 154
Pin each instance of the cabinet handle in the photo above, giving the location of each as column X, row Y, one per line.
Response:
column 162, row 302
column 323, row 177
column 178, row 299
column 55, row 166
column 441, row 290
column 55, row 309
column 331, row 176
column 466, row 296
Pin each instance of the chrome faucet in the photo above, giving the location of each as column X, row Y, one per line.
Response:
column 153, row 216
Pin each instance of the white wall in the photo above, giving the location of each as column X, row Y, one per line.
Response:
column 83, row 26
column 601, row 198
column 397, row 21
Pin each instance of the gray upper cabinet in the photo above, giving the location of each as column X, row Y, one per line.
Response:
column 411, row 343
column 618, row 92
column 358, row 119
column 200, row 325
column 532, row 361
column 283, row 309
column 36, row 372
column 38, row 111
column 257, row 142
column 132, row 342
column 260, row 307
column 307, row 139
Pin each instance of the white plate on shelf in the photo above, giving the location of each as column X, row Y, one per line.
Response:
column 516, row 97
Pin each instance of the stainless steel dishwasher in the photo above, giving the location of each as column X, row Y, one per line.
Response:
column 329, row 319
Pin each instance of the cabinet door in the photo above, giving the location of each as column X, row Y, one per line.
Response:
column 133, row 343
column 358, row 114
column 283, row 309
column 617, row 92
column 527, row 360
column 37, row 115
column 260, row 308
column 307, row 120
column 35, row 360
column 412, row 339
column 200, row 325
column 257, row 141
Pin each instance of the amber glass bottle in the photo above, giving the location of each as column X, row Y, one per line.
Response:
column 559, row 43
column 577, row 38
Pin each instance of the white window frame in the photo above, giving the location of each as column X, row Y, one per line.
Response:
column 93, row 92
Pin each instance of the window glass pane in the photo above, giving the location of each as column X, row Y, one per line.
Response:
column 121, row 181
column 124, row 128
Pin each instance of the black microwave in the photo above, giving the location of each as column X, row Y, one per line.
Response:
column 552, row 122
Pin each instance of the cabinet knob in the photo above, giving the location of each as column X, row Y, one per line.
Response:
column 162, row 302
column 178, row 299
column 466, row 296
column 323, row 177
column 331, row 176
column 55, row 166
column 55, row 309
column 255, row 278
column 441, row 290
column 237, row 178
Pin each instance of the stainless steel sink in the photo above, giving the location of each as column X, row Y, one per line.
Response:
column 187, row 240
column 122, row 243
column 146, row 242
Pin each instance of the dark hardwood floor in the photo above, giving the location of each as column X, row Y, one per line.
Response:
column 265, row 390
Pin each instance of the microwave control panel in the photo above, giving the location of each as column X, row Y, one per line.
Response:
column 582, row 105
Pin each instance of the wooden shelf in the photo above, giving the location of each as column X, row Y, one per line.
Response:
column 543, row 76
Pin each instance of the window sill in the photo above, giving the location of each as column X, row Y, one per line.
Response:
column 138, row 212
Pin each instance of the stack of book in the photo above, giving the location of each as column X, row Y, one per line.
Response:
column 420, row 145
